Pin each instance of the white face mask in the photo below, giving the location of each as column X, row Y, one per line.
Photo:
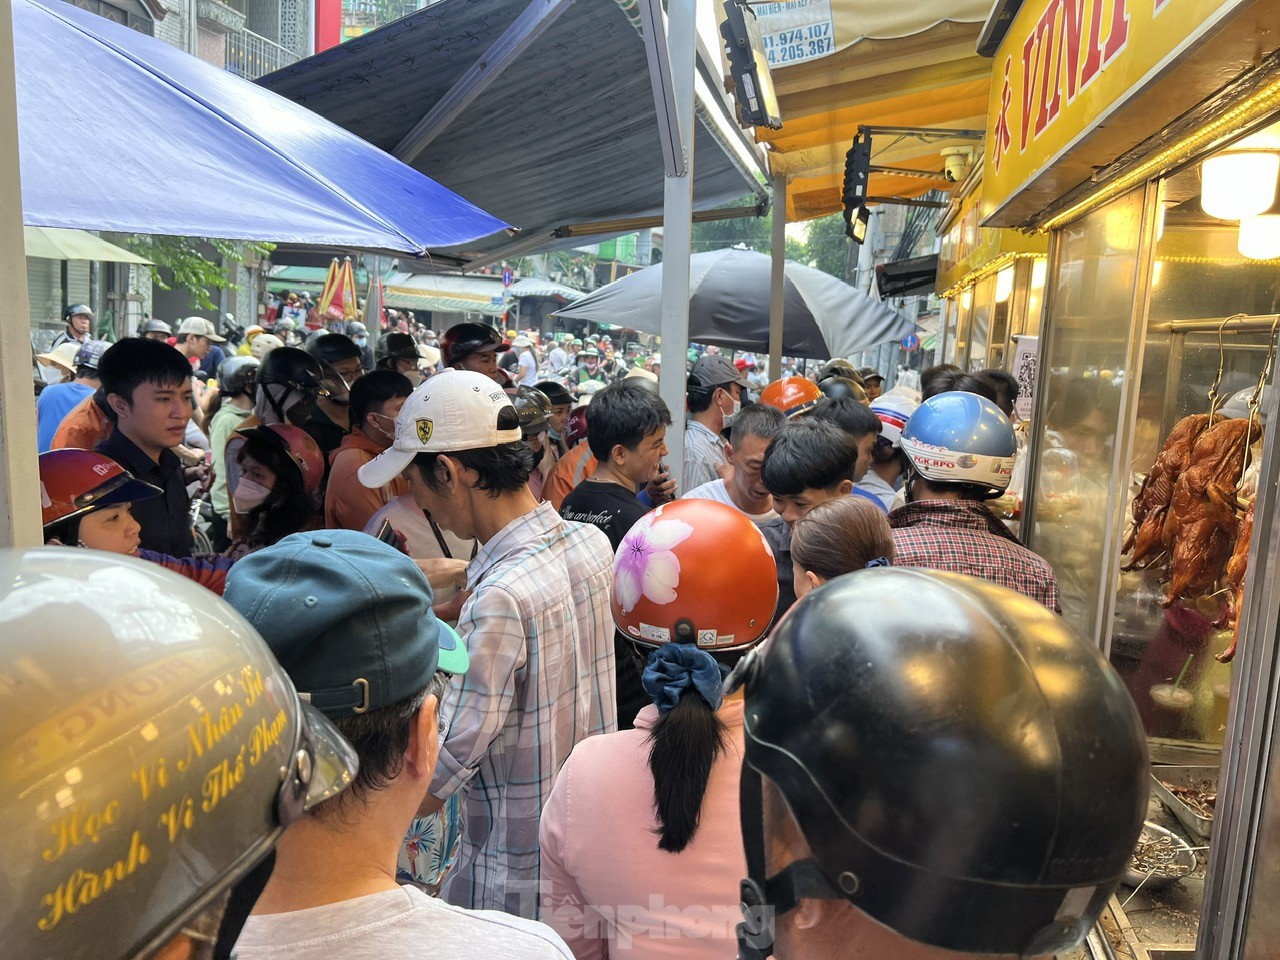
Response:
column 737, row 407
column 249, row 495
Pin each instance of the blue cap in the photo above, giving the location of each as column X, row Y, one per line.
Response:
column 348, row 617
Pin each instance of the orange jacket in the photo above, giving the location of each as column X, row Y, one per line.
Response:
column 83, row 428
column 569, row 471
column 348, row 503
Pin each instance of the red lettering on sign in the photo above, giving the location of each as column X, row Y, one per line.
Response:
column 1059, row 61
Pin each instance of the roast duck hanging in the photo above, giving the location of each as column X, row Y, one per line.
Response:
column 1186, row 512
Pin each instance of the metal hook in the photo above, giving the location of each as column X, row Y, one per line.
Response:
column 1255, row 399
column 1215, row 398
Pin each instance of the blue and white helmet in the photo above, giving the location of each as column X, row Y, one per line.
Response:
column 958, row 437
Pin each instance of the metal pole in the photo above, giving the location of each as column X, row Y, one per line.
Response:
column 777, row 275
column 19, row 473
column 677, row 230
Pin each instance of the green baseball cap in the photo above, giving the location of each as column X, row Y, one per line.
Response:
column 348, row 617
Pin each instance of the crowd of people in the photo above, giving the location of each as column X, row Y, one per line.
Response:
column 538, row 715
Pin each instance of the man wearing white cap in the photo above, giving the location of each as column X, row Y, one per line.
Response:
column 537, row 626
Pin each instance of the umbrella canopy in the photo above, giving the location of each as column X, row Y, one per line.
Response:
column 338, row 300
column 143, row 138
column 729, row 306
column 49, row 243
column 374, row 317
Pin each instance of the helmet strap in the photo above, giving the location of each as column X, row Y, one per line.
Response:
column 764, row 898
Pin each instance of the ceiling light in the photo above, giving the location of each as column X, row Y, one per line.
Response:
column 1238, row 184
column 1260, row 237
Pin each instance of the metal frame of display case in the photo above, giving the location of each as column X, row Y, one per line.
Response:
column 1249, row 757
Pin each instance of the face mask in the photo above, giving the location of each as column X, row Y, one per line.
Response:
column 388, row 432
column 361, row 342
column 414, row 377
column 737, row 407
column 249, row 495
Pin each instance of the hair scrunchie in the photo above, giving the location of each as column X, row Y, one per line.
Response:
column 674, row 668
column 878, row 562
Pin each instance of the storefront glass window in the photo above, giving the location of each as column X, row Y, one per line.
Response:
column 1035, row 297
column 980, row 325
column 1092, row 300
column 964, row 310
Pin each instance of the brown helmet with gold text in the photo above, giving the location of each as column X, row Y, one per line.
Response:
column 153, row 752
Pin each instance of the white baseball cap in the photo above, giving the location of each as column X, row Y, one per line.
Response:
column 454, row 410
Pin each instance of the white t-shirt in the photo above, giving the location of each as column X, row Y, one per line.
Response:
column 396, row 925
column 528, row 369
column 420, row 540
column 716, row 490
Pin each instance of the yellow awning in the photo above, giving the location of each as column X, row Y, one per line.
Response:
column 54, row 243
column 932, row 78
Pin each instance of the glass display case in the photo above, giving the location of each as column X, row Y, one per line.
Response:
column 1146, row 450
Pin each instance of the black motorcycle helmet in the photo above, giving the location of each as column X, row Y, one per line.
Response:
column 837, row 387
column 237, row 375
column 463, row 339
column 397, row 346
column 155, row 326
column 331, row 348
column 296, row 370
column 839, row 368
column 965, row 768
column 532, row 407
column 555, row 392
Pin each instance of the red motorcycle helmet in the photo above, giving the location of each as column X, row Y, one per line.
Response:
column 695, row 571
column 75, row 482
column 575, row 426
column 792, row 395
column 302, row 450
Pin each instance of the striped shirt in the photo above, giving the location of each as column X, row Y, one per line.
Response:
column 539, row 632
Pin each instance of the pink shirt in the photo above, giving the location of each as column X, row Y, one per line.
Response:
column 606, row 887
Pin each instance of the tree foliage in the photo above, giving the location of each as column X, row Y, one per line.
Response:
column 828, row 249
column 825, row 247
column 188, row 263
column 753, row 233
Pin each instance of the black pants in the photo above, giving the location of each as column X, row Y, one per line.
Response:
column 219, row 535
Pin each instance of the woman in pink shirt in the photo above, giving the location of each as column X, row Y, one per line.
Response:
column 641, row 844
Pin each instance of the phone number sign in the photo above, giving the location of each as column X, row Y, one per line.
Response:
column 796, row 31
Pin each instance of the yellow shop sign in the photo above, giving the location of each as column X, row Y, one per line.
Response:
column 1066, row 65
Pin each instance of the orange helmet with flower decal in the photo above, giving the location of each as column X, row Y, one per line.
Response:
column 695, row 571
column 792, row 395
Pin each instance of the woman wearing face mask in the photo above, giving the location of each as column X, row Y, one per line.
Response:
column 376, row 399
column 837, row 537
column 86, row 500
column 278, row 493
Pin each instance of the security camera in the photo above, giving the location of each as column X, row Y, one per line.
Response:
column 955, row 162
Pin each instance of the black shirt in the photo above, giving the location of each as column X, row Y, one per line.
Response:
column 165, row 520
column 327, row 434
column 614, row 509
column 610, row 506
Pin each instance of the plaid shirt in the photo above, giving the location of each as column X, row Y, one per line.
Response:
column 963, row 536
column 704, row 453
column 539, row 632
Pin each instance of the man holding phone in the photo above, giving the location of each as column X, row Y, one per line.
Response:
column 628, row 439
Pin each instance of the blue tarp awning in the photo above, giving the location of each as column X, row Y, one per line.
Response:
column 119, row 131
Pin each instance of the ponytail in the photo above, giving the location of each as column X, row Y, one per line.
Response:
column 686, row 740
